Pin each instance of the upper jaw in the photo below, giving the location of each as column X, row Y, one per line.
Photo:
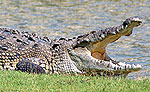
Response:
column 129, row 24
column 121, row 30
column 110, row 32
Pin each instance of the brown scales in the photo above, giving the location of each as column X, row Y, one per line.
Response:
column 37, row 54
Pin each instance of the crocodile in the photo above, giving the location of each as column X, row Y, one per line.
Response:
column 83, row 54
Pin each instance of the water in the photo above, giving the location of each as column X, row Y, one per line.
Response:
column 67, row 18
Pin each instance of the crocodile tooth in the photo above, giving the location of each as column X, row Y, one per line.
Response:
column 122, row 63
column 117, row 30
column 138, row 66
column 87, row 40
column 110, row 64
column 96, row 37
column 129, row 66
column 123, row 67
column 113, row 33
column 129, row 22
column 126, row 26
column 114, row 66
column 100, row 38
column 99, row 35
column 126, row 66
column 133, row 66
column 102, row 35
column 122, row 27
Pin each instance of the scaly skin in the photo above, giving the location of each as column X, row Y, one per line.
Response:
column 79, row 55
column 94, row 55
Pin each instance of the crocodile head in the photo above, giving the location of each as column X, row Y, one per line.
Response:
column 90, row 53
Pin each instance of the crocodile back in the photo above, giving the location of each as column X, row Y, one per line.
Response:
column 16, row 46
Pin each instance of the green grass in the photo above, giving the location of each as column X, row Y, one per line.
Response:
column 12, row 81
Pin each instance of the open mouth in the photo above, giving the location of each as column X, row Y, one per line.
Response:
column 90, row 52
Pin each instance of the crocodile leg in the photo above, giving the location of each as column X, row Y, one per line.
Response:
column 29, row 65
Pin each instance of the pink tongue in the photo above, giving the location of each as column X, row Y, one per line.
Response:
column 97, row 55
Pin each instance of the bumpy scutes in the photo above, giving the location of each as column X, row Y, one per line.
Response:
column 31, row 53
